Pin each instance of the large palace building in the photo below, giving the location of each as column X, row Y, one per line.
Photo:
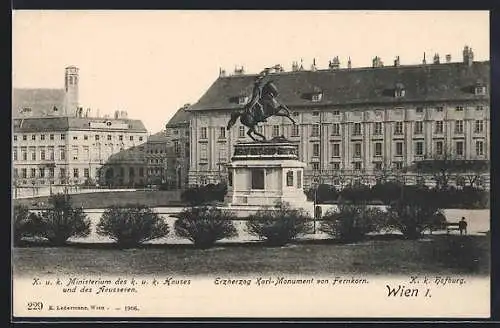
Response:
column 355, row 122
column 56, row 142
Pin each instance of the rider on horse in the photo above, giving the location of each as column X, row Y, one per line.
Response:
column 258, row 87
column 262, row 105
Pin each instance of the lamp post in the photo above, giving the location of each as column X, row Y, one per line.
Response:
column 33, row 182
column 315, row 186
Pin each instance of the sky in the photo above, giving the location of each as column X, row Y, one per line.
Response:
column 150, row 63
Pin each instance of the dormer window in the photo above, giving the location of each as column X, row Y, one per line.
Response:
column 242, row 100
column 317, row 97
column 399, row 90
column 480, row 90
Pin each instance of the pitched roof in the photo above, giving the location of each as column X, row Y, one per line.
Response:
column 131, row 155
column 46, row 124
column 40, row 101
column 181, row 117
column 433, row 82
column 158, row 137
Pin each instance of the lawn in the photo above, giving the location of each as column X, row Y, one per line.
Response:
column 384, row 255
column 98, row 200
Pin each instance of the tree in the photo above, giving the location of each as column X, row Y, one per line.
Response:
column 415, row 212
column 382, row 175
column 204, row 226
column 131, row 225
column 448, row 166
column 471, row 172
column 61, row 221
column 280, row 225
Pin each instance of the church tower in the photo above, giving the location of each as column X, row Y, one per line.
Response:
column 71, row 90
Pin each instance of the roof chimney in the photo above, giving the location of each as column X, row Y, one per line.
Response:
column 239, row 70
column 349, row 64
column 222, row 72
column 334, row 63
column 436, row 59
column 117, row 114
column 396, row 61
column 313, row 66
column 301, row 67
column 448, row 58
column 468, row 55
column 377, row 62
column 423, row 60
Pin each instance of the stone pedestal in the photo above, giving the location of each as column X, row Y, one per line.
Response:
column 261, row 174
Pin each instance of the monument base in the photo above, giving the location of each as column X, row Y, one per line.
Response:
column 264, row 174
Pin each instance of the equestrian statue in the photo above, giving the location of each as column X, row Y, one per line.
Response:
column 261, row 106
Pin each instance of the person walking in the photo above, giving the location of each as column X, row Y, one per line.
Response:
column 462, row 226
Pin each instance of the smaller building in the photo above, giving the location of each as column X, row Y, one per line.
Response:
column 124, row 169
column 155, row 159
column 177, row 134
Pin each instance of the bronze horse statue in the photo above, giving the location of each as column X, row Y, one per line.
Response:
column 262, row 106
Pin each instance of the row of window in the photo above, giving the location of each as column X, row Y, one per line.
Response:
column 419, row 148
column 155, row 161
column 62, row 136
column 357, row 129
column 50, row 173
column 176, row 132
column 49, row 154
column 359, row 166
column 438, row 109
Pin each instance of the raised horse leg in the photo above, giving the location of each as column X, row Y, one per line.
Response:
column 286, row 114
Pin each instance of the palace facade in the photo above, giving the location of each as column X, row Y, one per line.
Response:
column 56, row 142
column 355, row 123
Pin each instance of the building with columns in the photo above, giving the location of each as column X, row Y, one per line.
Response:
column 355, row 124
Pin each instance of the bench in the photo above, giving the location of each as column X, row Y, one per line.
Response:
column 451, row 226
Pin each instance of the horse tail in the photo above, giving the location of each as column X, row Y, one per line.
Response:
column 232, row 121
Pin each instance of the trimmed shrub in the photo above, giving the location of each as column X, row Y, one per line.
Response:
column 204, row 226
column 356, row 194
column 279, row 226
column 412, row 217
column 324, row 193
column 350, row 223
column 61, row 221
column 131, row 225
column 24, row 224
column 386, row 192
column 204, row 194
